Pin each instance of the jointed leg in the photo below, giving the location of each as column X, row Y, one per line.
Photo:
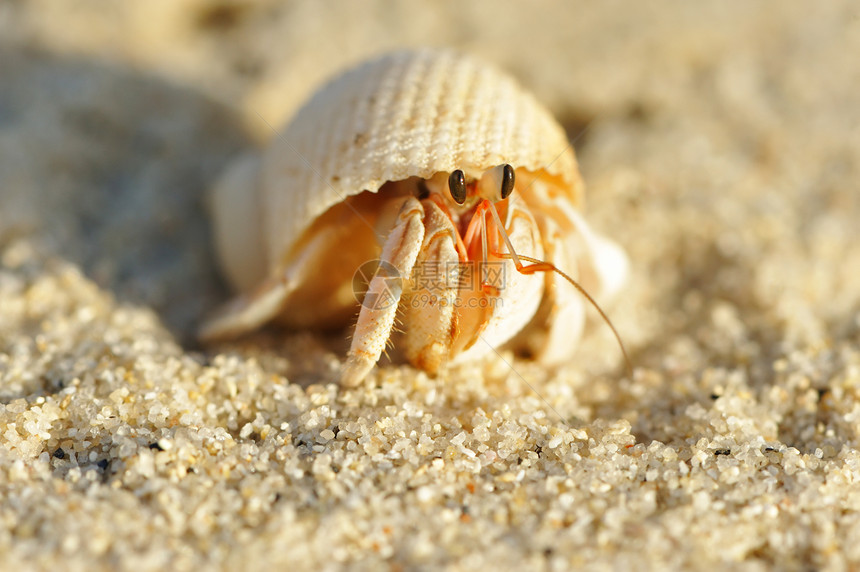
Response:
column 603, row 267
column 563, row 308
column 375, row 320
column 505, row 300
column 431, row 314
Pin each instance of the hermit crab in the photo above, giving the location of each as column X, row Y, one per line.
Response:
column 457, row 182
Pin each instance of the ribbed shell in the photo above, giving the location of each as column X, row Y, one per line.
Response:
column 409, row 113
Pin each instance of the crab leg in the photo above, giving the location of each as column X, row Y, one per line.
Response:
column 458, row 240
column 375, row 320
column 562, row 309
column 489, row 240
column 500, row 306
column 430, row 311
column 601, row 265
column 600, row 268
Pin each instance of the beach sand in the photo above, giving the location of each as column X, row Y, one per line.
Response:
column 720, row 145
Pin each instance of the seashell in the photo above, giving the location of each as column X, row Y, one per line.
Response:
column 364, row 161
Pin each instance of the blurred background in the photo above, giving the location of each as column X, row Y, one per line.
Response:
column 719, row 141
column 720, row 145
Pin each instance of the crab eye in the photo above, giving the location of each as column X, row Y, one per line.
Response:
column 423, row 191
column 507, row 181
column 457, row 186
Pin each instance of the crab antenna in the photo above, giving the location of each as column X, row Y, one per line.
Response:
column 549, row 266
column 484, row 236
column 505, row 236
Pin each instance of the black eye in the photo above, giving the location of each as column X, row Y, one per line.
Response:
column 457, row 186
column 507, row 181
column 423, row 191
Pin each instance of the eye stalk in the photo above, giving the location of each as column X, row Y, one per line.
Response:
column 507, row 181
column 496, row 184
column 457, row 186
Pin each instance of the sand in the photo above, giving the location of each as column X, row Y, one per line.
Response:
column 721, row 147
